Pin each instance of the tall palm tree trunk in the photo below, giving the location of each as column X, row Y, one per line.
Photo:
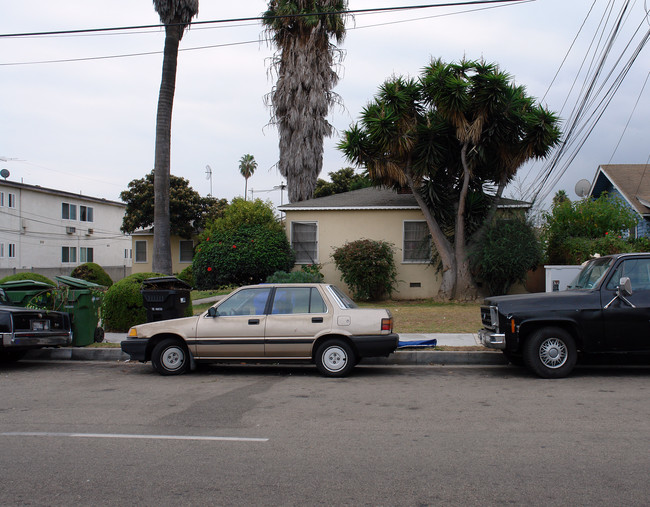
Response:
column 162, row 256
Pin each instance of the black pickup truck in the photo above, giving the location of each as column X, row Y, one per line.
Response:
column 605, row 310
column 23, row 329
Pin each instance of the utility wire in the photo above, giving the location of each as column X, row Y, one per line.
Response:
column 260, row 18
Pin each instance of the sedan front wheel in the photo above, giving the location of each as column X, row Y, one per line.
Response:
column 170, row 357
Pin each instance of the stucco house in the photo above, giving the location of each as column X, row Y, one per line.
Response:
column 318, row 226
column 630, row 182
column 52, row 231
column 182, row 251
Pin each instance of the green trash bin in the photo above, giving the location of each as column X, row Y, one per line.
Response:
column 82, row 300
column 30, row 293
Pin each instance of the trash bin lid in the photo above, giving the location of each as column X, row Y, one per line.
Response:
column 26, row 285
column 165, row 282
column 76, row 283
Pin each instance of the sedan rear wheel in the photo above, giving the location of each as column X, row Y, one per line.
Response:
column 170, row 357
column 335, row 358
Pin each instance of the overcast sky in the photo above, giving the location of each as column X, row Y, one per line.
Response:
column 87, row 124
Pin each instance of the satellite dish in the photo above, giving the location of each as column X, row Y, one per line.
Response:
column 4, row 173
column 582, row 188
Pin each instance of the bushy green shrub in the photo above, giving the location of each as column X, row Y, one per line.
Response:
column 509, row 249
column 367, row 267
column 27, row 276
column 122, row 306
column 92, row 272
column 246, row 255
column 578, row 250
column 186, row 275
column 571, row 225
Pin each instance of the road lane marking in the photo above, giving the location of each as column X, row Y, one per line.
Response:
column 133, row 436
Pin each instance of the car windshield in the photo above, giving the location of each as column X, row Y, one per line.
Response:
column 591, row 275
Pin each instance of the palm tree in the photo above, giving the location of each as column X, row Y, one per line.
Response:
column 247, row 166
column 302, row 95
column 176, row 15
column 459, row 127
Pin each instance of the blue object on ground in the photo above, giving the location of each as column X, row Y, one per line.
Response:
column 417, row 343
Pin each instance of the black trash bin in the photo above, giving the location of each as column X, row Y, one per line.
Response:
column 165, row 298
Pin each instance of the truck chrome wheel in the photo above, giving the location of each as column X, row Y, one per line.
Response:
column 550, row 352
column 553, row 353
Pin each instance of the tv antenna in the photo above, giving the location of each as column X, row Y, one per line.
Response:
column 208, row 176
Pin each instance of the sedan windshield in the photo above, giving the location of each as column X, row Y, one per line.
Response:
column 591, row 275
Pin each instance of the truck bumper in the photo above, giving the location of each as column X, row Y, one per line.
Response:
column 492, row 340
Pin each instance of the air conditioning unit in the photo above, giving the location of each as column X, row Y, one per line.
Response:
column 89, row 232
column 70, row 230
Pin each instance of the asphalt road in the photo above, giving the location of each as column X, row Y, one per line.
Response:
column 98, row 433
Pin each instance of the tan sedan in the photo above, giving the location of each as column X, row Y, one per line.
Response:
column 314, row 322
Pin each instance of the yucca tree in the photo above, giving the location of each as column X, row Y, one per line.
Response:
column 247, row 166
column 457, row 128
column 176, row 15
column 300, row 100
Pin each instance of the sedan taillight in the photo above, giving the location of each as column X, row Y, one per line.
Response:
column 387, row 324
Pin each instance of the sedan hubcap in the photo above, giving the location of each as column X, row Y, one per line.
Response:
column 335, row 358
column 173, row 358
column 553, row 353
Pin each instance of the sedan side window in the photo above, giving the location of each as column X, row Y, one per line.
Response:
column 290, row 300
column 245, row 302
column 637, row 270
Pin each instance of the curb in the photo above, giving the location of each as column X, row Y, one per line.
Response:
column 401, row 357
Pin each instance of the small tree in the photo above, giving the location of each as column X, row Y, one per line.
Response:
column 510, row 248
column 122, row 306
column 342, row 180
column 92, row 272
column 245, row 246
column 189, row 211
column 367, row 267
column 576, row 230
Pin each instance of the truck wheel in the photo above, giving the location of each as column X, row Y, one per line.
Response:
column 550, row 352
column 170, row 357
column 335, row 358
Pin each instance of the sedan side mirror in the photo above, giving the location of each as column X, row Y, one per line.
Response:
column 625, row 286
column 212, row 312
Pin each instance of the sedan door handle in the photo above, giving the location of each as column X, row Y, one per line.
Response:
column 253, row 322
column 317, row 319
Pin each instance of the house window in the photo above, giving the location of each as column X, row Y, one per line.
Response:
column 68, row 211
column 2, row 199
column 11, row 200
column 85, row 213
column 12, row 250
column 304, row 241
column 417, row 242
column 2, row 250
column 140, row 251
column 186, row 250
column 69, row 254
column 85, row 254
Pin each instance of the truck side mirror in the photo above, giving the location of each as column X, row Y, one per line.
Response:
column 625, row 286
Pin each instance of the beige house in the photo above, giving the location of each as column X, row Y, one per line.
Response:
column 182, row 252
column 318, row 226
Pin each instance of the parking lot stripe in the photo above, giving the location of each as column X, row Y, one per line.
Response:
column 134, row 436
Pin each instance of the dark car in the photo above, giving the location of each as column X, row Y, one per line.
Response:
column 605, row 310
column 24, row 329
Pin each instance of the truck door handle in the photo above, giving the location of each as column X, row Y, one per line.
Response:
column 253, row 322
column 316, row 320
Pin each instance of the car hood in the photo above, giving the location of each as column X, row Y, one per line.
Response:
column 151, row 328
column 543, row 300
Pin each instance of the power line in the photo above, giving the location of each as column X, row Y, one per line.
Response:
column 260, row 18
